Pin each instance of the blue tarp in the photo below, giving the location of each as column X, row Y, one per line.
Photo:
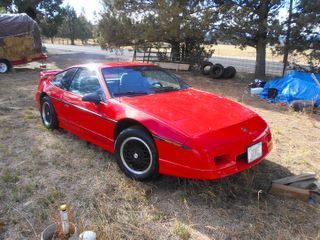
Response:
column 294, row 86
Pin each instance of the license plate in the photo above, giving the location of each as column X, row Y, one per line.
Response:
column 254, row 152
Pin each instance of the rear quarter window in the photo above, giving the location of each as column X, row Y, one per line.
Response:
column 63, row 79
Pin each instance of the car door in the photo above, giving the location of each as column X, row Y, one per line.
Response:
column 59, row 84
column 87, row 118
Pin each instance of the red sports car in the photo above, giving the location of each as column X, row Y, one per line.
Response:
column 152, row 121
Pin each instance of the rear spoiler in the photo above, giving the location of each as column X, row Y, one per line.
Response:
column 48, row 73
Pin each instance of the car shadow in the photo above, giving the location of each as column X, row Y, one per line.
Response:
column 252, row 180
column 239, row 202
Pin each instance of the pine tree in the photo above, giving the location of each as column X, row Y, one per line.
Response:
column 68, row 29
column 183, row 23
column 305, row 35
column 74, row 26
column 51, row 18
column 250, row 23
column 34, row 8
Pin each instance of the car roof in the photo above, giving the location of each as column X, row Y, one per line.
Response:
column 114, row 64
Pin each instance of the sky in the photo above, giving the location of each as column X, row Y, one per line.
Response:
column 88, row 6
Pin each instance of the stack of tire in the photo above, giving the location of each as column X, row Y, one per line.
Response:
column 217, row 71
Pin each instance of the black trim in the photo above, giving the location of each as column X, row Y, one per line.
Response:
column 171, row 142
column 114, row 121
column 84, row 110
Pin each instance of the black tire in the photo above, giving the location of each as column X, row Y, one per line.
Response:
column 136, row 154
column 5, row 66
column 217, row 71
column 229, row 72
column 206, row 67
column 48, row 114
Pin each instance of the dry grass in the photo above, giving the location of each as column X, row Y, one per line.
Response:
column 250, row 53
column 78, row 42
column 234, row 51
column 40, row 169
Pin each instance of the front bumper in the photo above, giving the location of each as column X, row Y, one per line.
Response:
column 189, row 163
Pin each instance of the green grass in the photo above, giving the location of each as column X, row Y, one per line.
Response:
column 10, row 176
column 182, row 230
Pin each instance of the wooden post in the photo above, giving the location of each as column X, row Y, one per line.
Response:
column 134, row 54
column 144, row 55
column 149, row 54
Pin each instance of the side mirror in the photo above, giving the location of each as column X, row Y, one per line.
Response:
column 92, row 97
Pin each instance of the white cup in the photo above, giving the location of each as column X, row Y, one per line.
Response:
column 88, row 235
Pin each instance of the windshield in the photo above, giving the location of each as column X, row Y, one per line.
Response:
column 140, row 80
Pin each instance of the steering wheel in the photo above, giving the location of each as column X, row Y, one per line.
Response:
column 157, row 84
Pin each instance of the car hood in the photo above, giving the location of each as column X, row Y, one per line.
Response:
column 191, row 111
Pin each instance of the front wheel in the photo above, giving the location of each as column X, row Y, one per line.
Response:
column 136, row 154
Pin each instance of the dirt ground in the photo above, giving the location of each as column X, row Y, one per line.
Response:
column 40, row 169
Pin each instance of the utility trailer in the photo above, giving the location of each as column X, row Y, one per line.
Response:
column 20, row 41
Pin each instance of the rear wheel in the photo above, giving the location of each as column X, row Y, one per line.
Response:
column 48, row 114
column 4, row 66
column 136, row 154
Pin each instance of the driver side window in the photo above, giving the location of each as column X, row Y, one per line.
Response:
column 85, row 82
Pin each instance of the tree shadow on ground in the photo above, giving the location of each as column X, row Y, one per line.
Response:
column 236, row 207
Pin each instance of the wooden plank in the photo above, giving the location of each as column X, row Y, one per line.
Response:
column 184, row 67
column 288, row 191
column 316, row 185
column 307, row 184
column 174, row 66
column 297, row 178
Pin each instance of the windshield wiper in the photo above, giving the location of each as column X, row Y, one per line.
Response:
column 129, row 93
column 165, row 89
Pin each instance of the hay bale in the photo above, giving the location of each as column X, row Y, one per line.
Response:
column 8, row 41
column 17, row 47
